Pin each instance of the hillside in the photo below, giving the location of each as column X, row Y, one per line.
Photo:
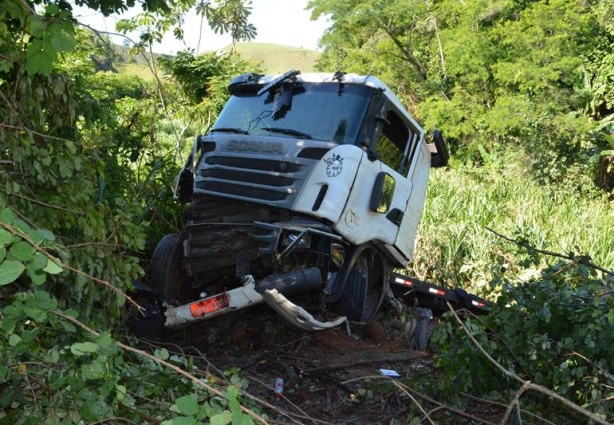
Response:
column 274, row 58
column 277, row 58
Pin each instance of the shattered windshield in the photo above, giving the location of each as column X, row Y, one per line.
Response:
column 319, row 111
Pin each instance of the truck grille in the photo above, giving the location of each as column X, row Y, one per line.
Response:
column 249, row 178
column 254, row 164
column 243, row 191
column 240, row 168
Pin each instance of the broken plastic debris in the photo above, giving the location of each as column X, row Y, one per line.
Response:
column 389, row 372
column 279, row 387
column 295, row 314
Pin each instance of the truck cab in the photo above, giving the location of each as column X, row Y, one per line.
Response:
column 305, row 182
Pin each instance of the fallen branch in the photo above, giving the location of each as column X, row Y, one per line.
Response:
column 426, row 415
column 424, row 397
column 578, row 259
column 302, row 415
column 496, row 403
column 44, row 204
column 164, row 363
column 529, row 385
column 379, row 359
column 515, row 402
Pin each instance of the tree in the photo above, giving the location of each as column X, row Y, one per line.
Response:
column 491, row 74
column 84, row 155
column 224, row 16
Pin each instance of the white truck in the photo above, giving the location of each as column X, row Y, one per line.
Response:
column 306, row 183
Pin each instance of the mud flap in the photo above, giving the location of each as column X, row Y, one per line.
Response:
column 296, row 315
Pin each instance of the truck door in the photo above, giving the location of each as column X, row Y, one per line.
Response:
column 405, row 166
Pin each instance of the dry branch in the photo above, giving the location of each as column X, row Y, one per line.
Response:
column 529, row 385
column 161, row 362
column 496, row 403
column 378, row 358
column 427, row 398
column 580, row 259
column 515, row 402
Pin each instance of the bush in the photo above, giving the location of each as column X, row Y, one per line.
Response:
column 554, row 329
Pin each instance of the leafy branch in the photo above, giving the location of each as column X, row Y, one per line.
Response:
column 57, row 264
column 525, row 384
column 196, row 381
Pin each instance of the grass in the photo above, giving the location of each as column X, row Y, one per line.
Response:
column 276, row 59
column 455, row 248
column 138, row 70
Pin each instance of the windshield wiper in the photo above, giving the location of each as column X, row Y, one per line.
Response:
column 277, row 81
column 288, row 131
column 229, row 130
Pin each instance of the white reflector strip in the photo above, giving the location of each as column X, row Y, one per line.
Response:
column 437, row 291
column 404, row 282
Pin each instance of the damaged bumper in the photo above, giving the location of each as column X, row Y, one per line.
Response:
column 295, row 314
column 251, row 293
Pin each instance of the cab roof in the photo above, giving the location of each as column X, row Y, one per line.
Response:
column 337, row 77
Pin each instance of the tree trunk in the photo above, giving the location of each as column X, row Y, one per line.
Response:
column 605, row 172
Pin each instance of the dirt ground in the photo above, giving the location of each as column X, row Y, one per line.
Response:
column 330, row 377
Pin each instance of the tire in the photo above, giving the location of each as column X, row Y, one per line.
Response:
column 364, row 286
column 166, row 274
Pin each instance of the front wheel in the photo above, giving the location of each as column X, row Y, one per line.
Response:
column 365, row 284
column 166, row 274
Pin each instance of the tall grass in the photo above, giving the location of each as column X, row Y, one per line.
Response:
column 456, row 249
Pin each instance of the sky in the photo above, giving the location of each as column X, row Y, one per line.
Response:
column 283, row 22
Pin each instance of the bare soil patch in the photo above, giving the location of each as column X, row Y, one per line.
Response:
column 330, row 376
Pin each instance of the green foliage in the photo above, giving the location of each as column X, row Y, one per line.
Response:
column 196, row 74
column 51, row 34
column 456, row 249
column 535, row 75
column 91, row 157
column 230, row 16
column 223, row 16
column 22, row 250
column 554, row 329
column 108, row 7
column 54, row 371
column 54, row 182
column 45, row 35
column 195, row 411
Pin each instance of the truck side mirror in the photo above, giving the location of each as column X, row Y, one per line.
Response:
column 439, row 150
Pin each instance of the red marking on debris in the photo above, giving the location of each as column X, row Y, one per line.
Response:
column 209, row 305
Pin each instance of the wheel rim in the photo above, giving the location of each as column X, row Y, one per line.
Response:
column 364, row 287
